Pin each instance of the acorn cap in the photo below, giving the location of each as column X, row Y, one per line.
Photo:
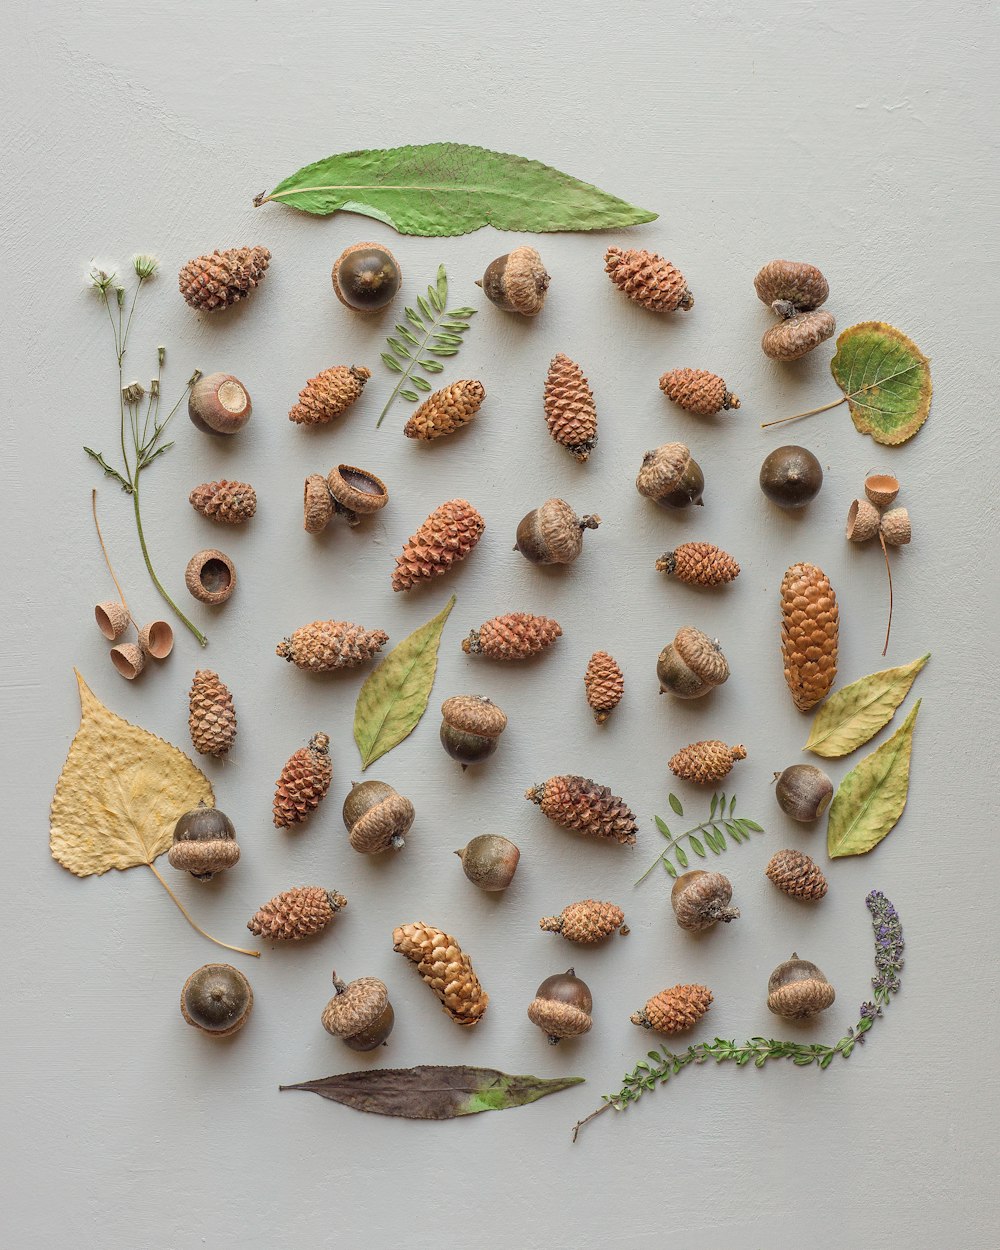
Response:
column 157, row 639
column 796, row 337
column 895, row 526
column 357, row 490
column 210, row 576
column 355, row 1006
column 474, row 714
column 112, row 619
column 862, row 521
column 702, row 655
column 317, row 505
column 791, row 282
column 204, row 859
column 128, row 659
column 881, row 489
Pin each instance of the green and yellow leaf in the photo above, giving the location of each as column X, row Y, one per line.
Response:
column 886, row 380
column 854, row 715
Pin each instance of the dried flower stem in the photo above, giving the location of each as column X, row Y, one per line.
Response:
column 888, row 573
column 240, row 950
column 104, row 550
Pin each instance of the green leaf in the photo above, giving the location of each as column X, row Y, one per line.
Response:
column 442, row 285
column 682, row 859
column 412, row 396
column 420, row 383
column 413, row 319
column 461, row 312
column 443, row 351
column 854, row 715
column 435, row 300
column 399, row 348
column 425, row 307
column 750, row 824
column 670, row 868
column 675, row 803
column 432, row 366
column 696, row 845
column 712, row 809
column 452, row 188
column 395, row 693
column 410, row 337
column 392, row 363
column 872, row 796
column 661, row 824
column 457, row 327
column 886, row 380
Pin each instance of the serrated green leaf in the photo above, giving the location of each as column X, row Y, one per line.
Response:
column 886, row 380
column 682, row 859
column 696, row 846
column 854, row 715
column 392, row 363
column 675, row 803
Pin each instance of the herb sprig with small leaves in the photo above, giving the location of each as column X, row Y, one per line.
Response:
column 721, row 819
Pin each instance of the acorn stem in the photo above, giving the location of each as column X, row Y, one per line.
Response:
column 888, row 573
column 766, row 425
column 104, row 550
column 240, row 950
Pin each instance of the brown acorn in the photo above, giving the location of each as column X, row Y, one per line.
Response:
column 204, row 843
column 304, row 782
column 580, row 803
column 217, row 1000
column 587, row 922
column 212, row 718
column 446, row 968
column 516, row 282
column 791, row 476
column 570, row 411
column 447, row 536
column 329, row 394
column 471, row 726
column 798, row 335
column 692, row 665
column 705, row 762
column 553, row 533
column 210, row 576
column 803, row 792
column 648, row 279
column 377, row 817
column 698, row 391
column 882, row 489
column 797, row 990
column 323, row 646
column 359, row 1013
column 232, row 503
column 810, row 629
column 490, row 861
column 699, row 564
column 219, row 404
column 516, row 636
column 793, row 285
column 366, row 277
column 562, row 1007
column 605, row 685
column 674, row 1010
column 671, row 477
column 795, row 874
column 446, row 411
column 296, row 914
column 701, row 899
column 221, row 279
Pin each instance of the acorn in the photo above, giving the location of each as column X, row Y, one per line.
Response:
column 671, row 477
column 881, row 489
column 219, row 404
column 796, row 336
column 803, row 792
column 210, row 576
column 490, row 861
column 895, row 527
column 128, row 659
column 562, row 1006
column 471, row 726
column 797, row 990
column 692, row 665
column 376, row 817
column 516, row 282
column 791, row 477
column 701, row 899
column 366, row 277
column 217, row 999
column 553, row 533
column 792, row 285
column 204, row 843
column 359, row 1013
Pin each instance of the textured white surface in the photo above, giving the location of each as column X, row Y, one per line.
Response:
column 858, row 137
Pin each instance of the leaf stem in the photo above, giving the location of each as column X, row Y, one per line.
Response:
column 240, row 950
column 152, row 573
column 671, row 843
column 888, row 573
column 408, row 372
column 766, row 425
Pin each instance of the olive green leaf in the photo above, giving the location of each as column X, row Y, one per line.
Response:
column 854, row 715
column 872, row 796
column 394, row 696
column 452, row 188
column 886, row 380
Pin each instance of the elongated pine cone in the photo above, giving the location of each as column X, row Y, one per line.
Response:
column 810, row 627
column 795, row 873
column 698, row 391
column 446, row 968
column 447, row 536
column 516, row 636
column 296, row 914
column 570, row 410
column 699, row 564
column 329, row 394
column 229, row 502
column 322, row 646
column 446, row 411
column 587, row 921
column 674, row 1010
column 604, row 684
column 224, row 278
column 705, row 762
column 648, row 279
column 212, row 718
column 303, row 783
column 580, row 803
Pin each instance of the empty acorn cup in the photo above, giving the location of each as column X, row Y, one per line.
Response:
column 356, row 492
column 128, row 659
column 862, row 521
column 210, row 576
column 112, row 619
column 157, row 639
column 882, row 489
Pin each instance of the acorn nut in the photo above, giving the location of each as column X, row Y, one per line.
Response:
column 217, row 999
column 701, row 899
column 219, row 404
column 516, row 282
column 692, row 665
column 377, row 818
column 797, row 990
column 803, row 792
column 553, row 533
column 210, row 576
column 359, row 1013
column 471, row 726
column 671, row 477
column 204, row 843
column 366, row 277
column 562, row 1006
column 490, row 861
column 791, row 477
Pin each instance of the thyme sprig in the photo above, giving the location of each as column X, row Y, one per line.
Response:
column 721, row 819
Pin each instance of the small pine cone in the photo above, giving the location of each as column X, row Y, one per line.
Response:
column 705, row 762
column 516, row 636
column 580, row 803
column 447, row 536
column 223, row 278
column 588, row 921
column 229, row 502
column 698, row 391
column 329, row 394
column 797, row 875
column 699, row 564
column 676, row 1009
column 303, row 783
column 446, row 968
column 446, row 411
column 325, row 645
column 648, row 279
column 605, row 685
column 212, row 718
column 296, row 914
column 570, row 410
column 810, row 626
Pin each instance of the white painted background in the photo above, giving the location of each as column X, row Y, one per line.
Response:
column 858, row 137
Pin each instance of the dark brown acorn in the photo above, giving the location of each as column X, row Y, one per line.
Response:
column 471, row 726
column 803, row 792
column 791, row 477
column 217, row 999
column 219, row 404
column 204, row 843
column 366, row 277
column 562, row 1006
column 490, row 861
column 359, row 1013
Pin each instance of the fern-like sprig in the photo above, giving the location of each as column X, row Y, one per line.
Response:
column 434, row 331
column 709, row 835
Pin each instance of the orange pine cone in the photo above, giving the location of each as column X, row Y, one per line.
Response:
column 303, row 783
column 446, row 968
column 516, row 636
column 222, row 279
column 810, row 626
column 446, row 411
column 588, row 921
column 604, row 684
column 795, row 874
column 705, row 762
column 229, row 502
column 699, row 564
column 323, row 646
column 570, row 411
column 698, row 391
column 676, row 1009
column 212, row 719
column 296, row 914
column 447, row 536
column 648, row 279
column 329, row 394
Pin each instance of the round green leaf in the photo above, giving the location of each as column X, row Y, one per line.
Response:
column 886, row 380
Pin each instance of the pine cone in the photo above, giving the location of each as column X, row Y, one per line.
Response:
column 605, row 685
column 705, row 762
column 580, row 803
column 223, row 278
column 699, row 564
column 648, row 279
column 229, row 502
column 446, row 968
column 797, row 875
column 676, row 1009
column 325, row 645
column 569, row 407
column 588, row 921
column 810, row 622
column 516, row 636
column 213, row 718
column 447, row 536
column 303, row 783
column 698, row 391
column 296, row 914
column 329, row 394
column 446, row 410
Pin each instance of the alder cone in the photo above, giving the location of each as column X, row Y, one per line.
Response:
column 446, row 968
column 580, row 803
column 329, row 394
column 222, row 279
column 212, row 718
column 446, row 411
column 324, row 646
column 795, row 874
column 516, row 636
column 705, row 762
column 229, row 502
column 447, row 536
column 586, row 922
column 676, row 1009
column 810, row 625
column 648, row 279
column 699, row 564
column 296, row 914
column 604, row 684
column 303, row 783
column 698, row 391
column 570, row 411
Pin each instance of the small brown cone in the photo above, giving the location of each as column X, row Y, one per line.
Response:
column 810, row 625
column 447, row 536
column 604, row 684
column 446, row 411
column 698, row 391
column 446, row 968
column 303, row 783
column 224, row 278
column 676, row 1009
column 796, row 875
column 580, row 803
column 516, row 636
column 329, row 394
column 229, row 502
column 588, row 921
column 570, row 410
column 212, row 718
column 648, row 279
column 705, row 762
column 296, row 914
column 699, row 564
column 324, row 646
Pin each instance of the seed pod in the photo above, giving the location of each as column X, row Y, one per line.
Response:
column 359, row 1013
column 329, row 394
column 232, row 503
column 212, row 716
column 796, row 337
column 128, row 659
column 648, row 279
column 862, row 521
column 698, row 391
column 217, row 999
column 895, row 526
column 446, row 968
column 446, row 411
column 204, row 843
column 516, row 282
column 296, row 914
column 553, row 533
column 881, row 489
column 324, row 646
column 156, row 639
column 580, row 803
column 490, row 861
column 586, row 922
column 376, row 817
column 706, row 762
column 304, row 782
column 795, row 874
column 810, row 627
column 210, row 576
column 803, row 792
column 701, row 899
column 562, row 1007
column 221, row 279
column 692, row 665
column 797, row 990
column 671, row 477
column 570, row 411
column 516, row 636
column 605, row 685
column 356, row 492
column 447, row 536
column 471, row 726
column 366, row 277
column 699, row 564
column 674, row 1010
column 112, row 618
column 791, row 282
column 791, row 477
column 219, row 404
